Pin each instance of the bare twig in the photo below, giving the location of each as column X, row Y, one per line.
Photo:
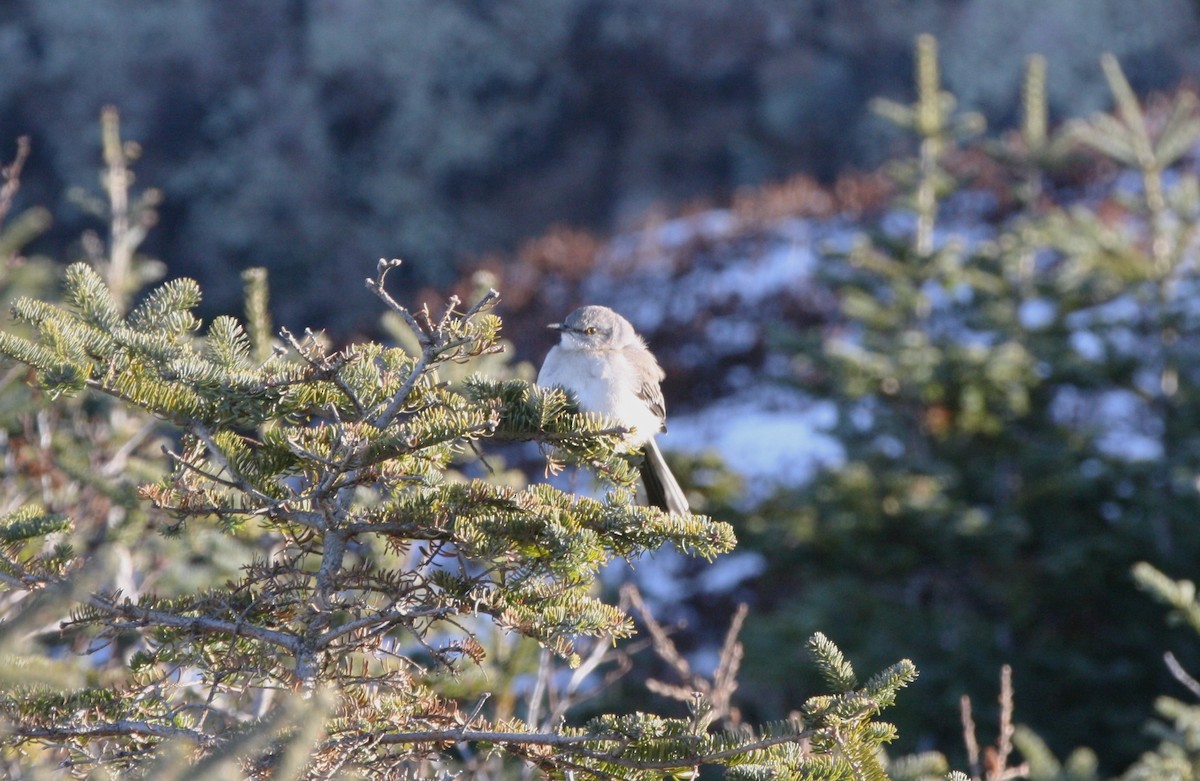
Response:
column 1004, row 738
column 545, row 670
column 993, row 765
column 663, row 646
column 11, row 176
column 434, row 339
column 728, row 665
column 111, row 729
column 487, row 300
column 329, row 367
column 117, row 180
column 401, row 396
column 717, row 692
column 608, row 748
column 1181, row 674
column 376, row 286
column 218, row 457
column 602, row 651
column 380, row 622
column 120, row 458
column 137, row 615
column 970, row 739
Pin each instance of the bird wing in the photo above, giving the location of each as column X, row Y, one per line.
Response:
column 649, row 390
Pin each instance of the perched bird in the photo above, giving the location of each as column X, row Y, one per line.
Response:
column 606, row 365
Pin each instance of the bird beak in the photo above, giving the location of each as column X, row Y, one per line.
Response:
column 557, row 326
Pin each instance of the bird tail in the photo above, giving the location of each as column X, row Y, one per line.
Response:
column 662, row 490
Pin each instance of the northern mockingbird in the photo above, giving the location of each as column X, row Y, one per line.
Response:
column 605, row 364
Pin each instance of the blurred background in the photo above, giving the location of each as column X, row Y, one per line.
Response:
column 935, row 357
column 315, row 136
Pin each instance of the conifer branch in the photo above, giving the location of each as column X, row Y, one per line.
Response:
column 434, row 339
column 237, row 480
column 578, row 746
column 141, row 616
column 328, row 368
column 376, row 286
column 122, row 728
column 379, row 622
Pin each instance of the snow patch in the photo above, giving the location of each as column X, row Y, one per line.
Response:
column 781, row 440
column 1036, row 313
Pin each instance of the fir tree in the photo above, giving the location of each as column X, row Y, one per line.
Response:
column 357, row 561
column 1177, row 726
column 990, row 507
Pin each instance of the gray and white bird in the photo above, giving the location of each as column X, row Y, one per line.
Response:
column 606, row 365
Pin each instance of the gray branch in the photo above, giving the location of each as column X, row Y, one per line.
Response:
column 202, row 624
column 123, row 727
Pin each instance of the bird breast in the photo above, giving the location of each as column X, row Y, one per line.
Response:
column 602, row 386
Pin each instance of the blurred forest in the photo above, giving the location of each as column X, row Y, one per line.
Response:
column 946, row 292
column 306, row 135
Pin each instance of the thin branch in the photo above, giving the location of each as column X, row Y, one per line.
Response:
column 329, row 369
column 122, row 727
column 602, row 650
column 724, row 680
column 545, row 670
column 401, row 396
column 309, row 520
column 1181, row 674
column 487, row 300
column 970, row 739
column 578, row 745
column 120, row 458
column 144, row 616
column 1004, row 738
column 380, row 621
column 432, row 337
column 205, row 436
column 11, row 175
column 409, row 530
column 190, row 467
column 992, row 764
column 663, row 645
column 376, row 286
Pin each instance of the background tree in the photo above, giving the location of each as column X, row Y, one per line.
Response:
column 1177, row 722
column 1018, row 404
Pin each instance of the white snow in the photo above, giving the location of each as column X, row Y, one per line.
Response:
column 1118, row 419
column 711, row 224
column 1124, row 427
column 1089, row 346
column 1122, row 309
column 753, row 279
column 1036, row 313
column 774, row 440
column 731, row 335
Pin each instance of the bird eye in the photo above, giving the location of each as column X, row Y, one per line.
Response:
column 589, row 331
